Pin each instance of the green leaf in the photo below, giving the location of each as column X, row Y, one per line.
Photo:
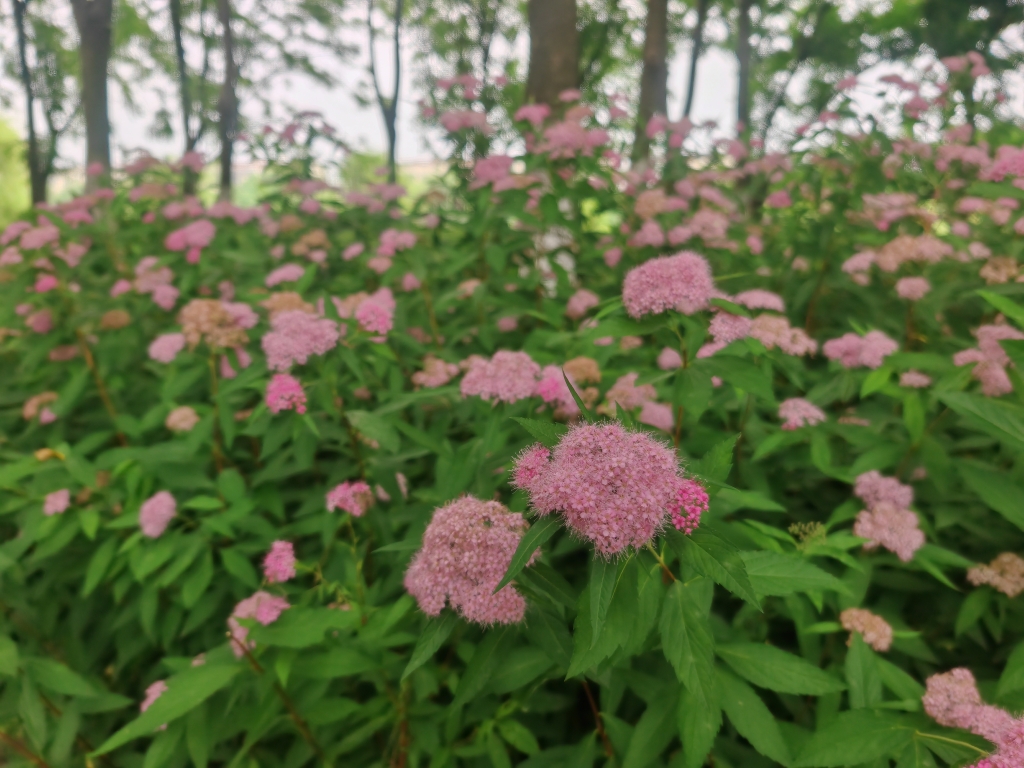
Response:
column 913, row 416
column 400, row 546
column 1003, row 420
column 488, row 654
column 652, row 734
column 693, row 390
column 518, row 669
column 519, row 736
column 916, row 755
column 587, row 414
column 899, row 682
column 732, row 499
column 862, row 674
column 185, row 691
column 995, row 489
column 972, row 609
column 238, row 565
column 98, row 564
column 603, row 577
column 875, row 381
column 698, row 725
column 376, row 428
column 717, row 463
column 547, row 433
column 549, row 633
column 335, row 663
column 775, row 573
column 769, row 667
column 855, row 737
column 535, row 537
column 203, row 503
column 686, row 639
column 431, row 638
column 715, row 558
column 1012, row 678
column 741, row 373
column 57, row 677
column 8, row 656
column 751, row 718
column 1011, row 309
column 301, row 627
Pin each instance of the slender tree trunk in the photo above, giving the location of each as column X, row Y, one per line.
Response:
column 227, row 104
column 743, row 57
column 698, row 46
column 95, row 21
column 654, row 77
column 36, row 179
column 388, row 106
column 554, row 50
column 188, row 178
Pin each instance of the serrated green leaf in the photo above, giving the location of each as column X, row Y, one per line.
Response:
column 519, row 736
column 534, row 538
column 748, row 713
column 486, row 657
column 769, row 667
column 775, row 573
column 686, row 639
column 995, row 489
column 716, row 559
column 1003, row 420
column 739, row 372
column 699, row 723
column 57, row 677
column 855, row 737
column 431, row 638
column 653, row 732
column 862, row 675
column 547, row 433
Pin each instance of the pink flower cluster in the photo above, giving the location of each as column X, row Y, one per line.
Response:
column 264, row 607
column 435, row 373
column 352, row 497
column 691, row 502
column 953, row 700
column 56, row 503
column 1005, row 573
column 990, row 359
column 875, row 630
column 853, row 351
column 285, row 393
column 613, row 487
column 507, row 377
column 466, row 550
column 156, row 514
column 279, row 564
column 286, row 273
column 797, row 412
column 376, row 313
column 682, row 282
column 165, row 348
column 580, row 303
column 193, row 237
column 887, row 521
column 295, row 336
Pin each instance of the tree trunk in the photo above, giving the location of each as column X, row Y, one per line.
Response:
column 698, row 46
column 95, row 21
column 227, row 104
column 654, row 77
column 743, row 57
column 554, row 50
column 188, row 178
column 36, row 179
column 388, row 107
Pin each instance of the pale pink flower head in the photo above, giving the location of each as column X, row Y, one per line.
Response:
column 507, row 377
column 628, row 394
column 153, row 692
column 614, row 255
column 197, row 234
column 796, row 412
column 580, row 303
column 376, row 313
column 286, row 273
column 613, row 487
column 165, row 297
column 892, row 527
column 507, row 324
column 669, row 359
column 57, row 502
column 264, row 608
column 156, row 514
column 535, row 114
column 410, row 282
column 759, row 298
column 166, row 347
column 726, row 328
column 279, row 564
column 352, row 251
column 778, row 199
column 650, row 233
column 873, row 628
column 912, row 288
column 285, row 393
column 40, row 322
column 295, row 336
column 491, row 170
column 873, row 489
column 467, row 547
column 853, row 351
column 45, row 282
column 1005, row 573
column 682, row 282
column 182, row 419
column 915, row 380
column 352, row 497
column 435, row 373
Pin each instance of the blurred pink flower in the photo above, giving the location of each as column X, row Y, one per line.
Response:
column 57, row 502
column 285, row 393
column 156, row 513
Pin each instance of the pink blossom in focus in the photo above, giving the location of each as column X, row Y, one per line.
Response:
column 165, row 348
column 875, row 630
column 156, row 513
column 376, row 313
column 891, row 527
column 873, row 489
column 507, row 377
column 726, row 328
column 264, row 608
column 797, row 412
column 691, row 502
column 682, row 282
column 467, row 547
column 279, row 564
column 912, row 288
column 613, row 487
column 352, row 497
column 285, row 393
column 57, row 502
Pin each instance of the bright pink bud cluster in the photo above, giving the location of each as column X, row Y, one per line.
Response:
column 691, row 502
column 285, row 393
column 467, row 547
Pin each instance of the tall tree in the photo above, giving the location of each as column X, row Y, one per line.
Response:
column 743, row 58
column 654, row 76
column 695, row 54
column 227, row 104
column 36, row 181
column 95, row 20
column 554, row 50
column 193, row 122
column 388, row 105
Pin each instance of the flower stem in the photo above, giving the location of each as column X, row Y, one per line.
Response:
column 665, row 570
column 108, row 404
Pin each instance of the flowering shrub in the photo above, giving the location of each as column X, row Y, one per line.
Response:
column 560, row 463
